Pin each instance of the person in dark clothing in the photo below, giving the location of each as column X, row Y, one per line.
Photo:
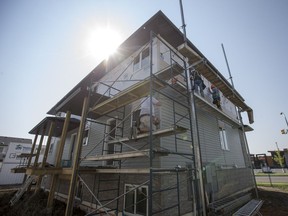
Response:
column 216, row 96
column 198, row 81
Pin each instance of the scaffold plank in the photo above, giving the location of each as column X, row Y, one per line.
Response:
column 127, row 96
column 161, row 132
column 115, row 156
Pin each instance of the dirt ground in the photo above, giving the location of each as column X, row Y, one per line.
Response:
column 32, row 205
column 275, row 203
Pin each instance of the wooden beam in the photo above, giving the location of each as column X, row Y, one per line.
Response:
column 77, row 154
column 39, row 147
column 51, row 131
column 44, row 171
column 58, row 159
column 32, row 149
column 19, row 170
column 117, row 156
column 112, row 170
column 43, row 164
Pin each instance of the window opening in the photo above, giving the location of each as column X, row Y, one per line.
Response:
column 145, row 58
column 136, row 65
column 141, row 60
column 223, row 136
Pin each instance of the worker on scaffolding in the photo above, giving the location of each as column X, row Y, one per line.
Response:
column 216, row 96
column 197, row 81
column 146, row 113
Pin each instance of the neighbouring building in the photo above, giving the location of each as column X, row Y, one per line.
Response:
column 196, row 160
column 11, row 149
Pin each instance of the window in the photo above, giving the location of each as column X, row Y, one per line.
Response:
column 145, row 58
column 136, row 65
column 86, row 134
column 136, row 201
column 142, row 60
column 223, row 138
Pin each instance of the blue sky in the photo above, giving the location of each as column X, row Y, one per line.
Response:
column 43, row 53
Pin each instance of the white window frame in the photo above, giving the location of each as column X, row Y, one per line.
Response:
column 86, row 134
column 223, row 138
column 135, row 199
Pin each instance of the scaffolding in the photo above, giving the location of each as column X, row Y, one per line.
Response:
column 154, row 167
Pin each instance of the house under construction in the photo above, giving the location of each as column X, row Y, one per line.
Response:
column 196, row 162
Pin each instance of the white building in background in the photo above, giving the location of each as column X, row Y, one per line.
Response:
column 10, row 150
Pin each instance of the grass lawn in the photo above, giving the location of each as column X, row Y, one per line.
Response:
column 271, row 174
column 281, row 186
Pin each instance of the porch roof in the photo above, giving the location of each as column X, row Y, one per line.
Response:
column 44, row 126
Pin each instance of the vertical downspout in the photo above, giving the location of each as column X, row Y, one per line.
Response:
column 194, row 122
column 248, row 154
column 242, row 126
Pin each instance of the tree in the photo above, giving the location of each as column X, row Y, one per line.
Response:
column 279, row 159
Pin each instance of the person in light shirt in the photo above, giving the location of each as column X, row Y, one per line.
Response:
column 146, row 113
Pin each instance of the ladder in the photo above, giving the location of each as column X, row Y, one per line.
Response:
column 22, row 190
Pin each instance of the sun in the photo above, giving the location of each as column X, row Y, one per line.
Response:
column 102, row 42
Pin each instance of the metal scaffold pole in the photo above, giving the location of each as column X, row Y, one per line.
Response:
column 195, row 131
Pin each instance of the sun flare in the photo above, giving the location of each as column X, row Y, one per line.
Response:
column 102, row 42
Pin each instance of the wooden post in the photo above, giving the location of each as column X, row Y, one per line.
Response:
column 58, row 159
column 51, row 130
column 77, row 154
column 39, row 147
column 31, row 155
column 32, row 149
